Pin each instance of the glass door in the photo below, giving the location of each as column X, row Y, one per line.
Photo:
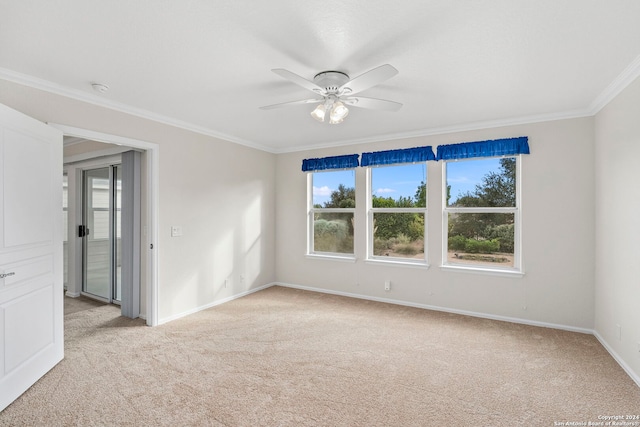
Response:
column 101, row 234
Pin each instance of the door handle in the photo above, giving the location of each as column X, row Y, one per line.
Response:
column 83, row 231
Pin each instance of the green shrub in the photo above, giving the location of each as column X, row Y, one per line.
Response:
column 337, row 228
column 504, row 234
column 381, row 246
column 405, row 249
column 457, row 243
column 332, row 236
column 416, row 228
column 481, row 246
column 401, row 239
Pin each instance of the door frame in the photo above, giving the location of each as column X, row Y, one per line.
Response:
column 150, row 238
column 74, row 167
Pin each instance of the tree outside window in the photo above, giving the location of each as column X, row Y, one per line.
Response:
column 398, row 207
column 481, row 212
column 331, row 215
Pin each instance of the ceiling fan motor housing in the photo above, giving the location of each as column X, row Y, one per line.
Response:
column 331, row 81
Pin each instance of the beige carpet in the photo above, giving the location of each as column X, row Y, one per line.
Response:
column 285, row 357
column 81, row 303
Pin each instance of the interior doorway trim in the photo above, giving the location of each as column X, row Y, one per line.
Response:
column 153, row 179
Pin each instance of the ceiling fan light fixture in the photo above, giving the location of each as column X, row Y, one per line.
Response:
column 338, row 112
column 336, row 89
column 319, row 112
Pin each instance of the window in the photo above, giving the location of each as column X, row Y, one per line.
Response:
column 397, row 212
column 481, row 214
column 332, row 204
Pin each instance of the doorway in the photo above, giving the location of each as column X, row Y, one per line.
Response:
column 101, row 233
column 149, row 174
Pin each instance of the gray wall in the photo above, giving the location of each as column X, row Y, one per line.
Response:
column 617, row 292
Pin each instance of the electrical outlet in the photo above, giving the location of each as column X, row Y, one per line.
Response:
column 226, row 282
column 176, row 230
column 387, row 285
column 619, row 332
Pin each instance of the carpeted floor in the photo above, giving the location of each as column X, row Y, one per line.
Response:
column 285, row 357
column 81, row 303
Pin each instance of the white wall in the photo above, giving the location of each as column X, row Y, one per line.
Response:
column 558, row 233
column 617, row 293
column 222, row 194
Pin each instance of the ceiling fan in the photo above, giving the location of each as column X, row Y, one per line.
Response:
column 335, row 90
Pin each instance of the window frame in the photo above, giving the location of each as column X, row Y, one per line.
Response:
column 370, row 257
column 516, row 210
column 311, row 211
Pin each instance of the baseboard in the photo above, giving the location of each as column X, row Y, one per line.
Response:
column 443, row 309
column 72, row 294
column 213, row 304
column 635, row 377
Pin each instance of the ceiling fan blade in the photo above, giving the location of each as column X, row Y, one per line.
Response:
column 287, row 104
column 368, row 79
column 372, row 103
column 300, row 81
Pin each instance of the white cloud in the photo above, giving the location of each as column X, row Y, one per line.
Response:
column 385, row 190
column 322, row 191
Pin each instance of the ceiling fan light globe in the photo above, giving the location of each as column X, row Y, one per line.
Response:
column 338, row 112
column 319, row 112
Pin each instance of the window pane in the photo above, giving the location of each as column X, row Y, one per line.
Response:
column 334, row 189
column 398, row 235
column 100, row 225
column 399, row 186
column 482, row 183
column 333, row 232
column 481, row 239
column 100, row 192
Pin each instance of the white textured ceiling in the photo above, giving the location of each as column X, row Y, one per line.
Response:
column 205, row 65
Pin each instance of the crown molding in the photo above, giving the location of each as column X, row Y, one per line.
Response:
column 624, row 79
column 47, row 86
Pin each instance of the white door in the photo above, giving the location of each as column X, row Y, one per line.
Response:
column 31, row 293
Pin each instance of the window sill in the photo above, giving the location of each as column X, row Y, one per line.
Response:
column 397, row 263
column 478, row 270
column 332, row 257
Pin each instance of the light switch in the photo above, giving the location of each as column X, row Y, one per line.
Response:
column 176, row 230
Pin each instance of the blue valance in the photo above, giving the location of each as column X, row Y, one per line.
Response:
column 335, row 162
column 390, row 157
column 496, row 147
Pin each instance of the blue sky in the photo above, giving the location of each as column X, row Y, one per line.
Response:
column 399, row 180
column 464, row 175
column 403, row 180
